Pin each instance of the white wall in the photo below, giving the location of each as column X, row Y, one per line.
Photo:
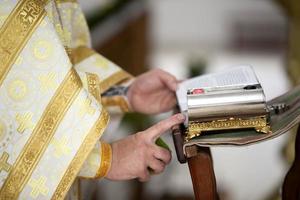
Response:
column 194, row 22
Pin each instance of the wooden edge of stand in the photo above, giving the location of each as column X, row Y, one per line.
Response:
column 202, row 173
column 291, row 185
column 200, row 165
column 178, row 143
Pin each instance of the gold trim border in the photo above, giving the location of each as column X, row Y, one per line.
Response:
column 106, row 158
column 113, row 79
column 86, row 147
column 41, row 136
column 119, row 101
column 81, row 53
column 16, row 31
column 93, row 86
column 66, row 1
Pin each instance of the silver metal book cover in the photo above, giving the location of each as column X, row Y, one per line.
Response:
column 224, row 101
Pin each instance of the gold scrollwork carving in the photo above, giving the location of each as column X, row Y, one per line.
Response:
column 195, row 129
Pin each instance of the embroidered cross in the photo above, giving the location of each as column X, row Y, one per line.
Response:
column 4, row 165
column 28, row 14
column 61, row 146
column 38, row 187
column 48, row 81
column 86, row 107
column 25, row 122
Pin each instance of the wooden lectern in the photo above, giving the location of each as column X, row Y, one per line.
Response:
column 200, row 164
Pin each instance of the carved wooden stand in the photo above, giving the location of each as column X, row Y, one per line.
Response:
column 200, row 164
column 202, row 173
column 291, row 185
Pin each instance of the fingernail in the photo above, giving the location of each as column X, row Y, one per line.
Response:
column 181, row 117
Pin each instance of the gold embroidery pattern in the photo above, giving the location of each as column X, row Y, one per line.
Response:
column 83, row 152
column 41, row 136
column 66, row 1
column 16, row 31
column 2, row 130
column 38, row 187
column 113, row 79
column 48, row 81
column 20, row 90
column 25, row 122
column 17, row 90
column 42, row 49
column 61, row 146
column 4, row 165
column 106, row 154
column 93, row 86
column 7, row 130
column 86, row 107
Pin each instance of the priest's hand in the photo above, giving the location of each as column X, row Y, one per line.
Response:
column 136, row 156
column 153, row 92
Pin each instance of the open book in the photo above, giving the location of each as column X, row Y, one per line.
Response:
column 234, row 77
column 281, row 113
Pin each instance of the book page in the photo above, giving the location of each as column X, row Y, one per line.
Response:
column 237, row 76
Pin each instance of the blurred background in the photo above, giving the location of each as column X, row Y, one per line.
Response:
column 189, row 38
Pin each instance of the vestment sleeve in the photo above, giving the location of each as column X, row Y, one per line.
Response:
column 107, row 74
column 98, row 162
column 73, row 30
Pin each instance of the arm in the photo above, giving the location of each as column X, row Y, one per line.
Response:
column 98, row 75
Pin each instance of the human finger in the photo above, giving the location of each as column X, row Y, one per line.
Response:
column 156, row 166
column 158, row 129
column 144, row 176
column 162, row 154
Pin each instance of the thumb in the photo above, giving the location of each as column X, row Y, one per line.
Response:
column 158, row 129
column 169, row 80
